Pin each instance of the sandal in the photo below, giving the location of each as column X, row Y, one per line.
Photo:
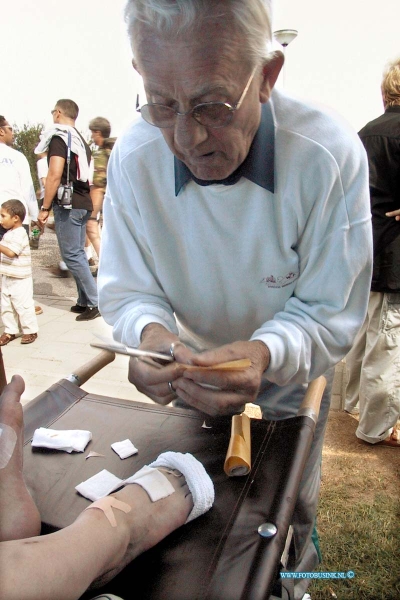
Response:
column 28, row 338
column 6, row 337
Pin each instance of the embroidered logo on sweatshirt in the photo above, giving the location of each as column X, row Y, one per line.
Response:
column 280, row 281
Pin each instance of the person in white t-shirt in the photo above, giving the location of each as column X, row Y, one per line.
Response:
column 16, row 180
column 15, row 176
column 17, row 306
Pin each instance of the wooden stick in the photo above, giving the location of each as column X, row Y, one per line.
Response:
column 86, row 371
column 238, row 456
column 313, row 395
column 233, row 365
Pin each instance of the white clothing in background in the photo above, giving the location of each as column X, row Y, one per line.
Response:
column 16, row 181
column 42, row 170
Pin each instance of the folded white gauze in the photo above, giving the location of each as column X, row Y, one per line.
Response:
column 99, row 485
column 124, row 448
column 68, row 440
column 197, row 478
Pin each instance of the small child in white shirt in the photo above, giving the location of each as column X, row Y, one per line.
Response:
column 16, row 282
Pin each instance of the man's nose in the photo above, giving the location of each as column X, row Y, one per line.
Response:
column 188, row 133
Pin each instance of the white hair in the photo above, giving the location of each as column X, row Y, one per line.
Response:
column 251, row 17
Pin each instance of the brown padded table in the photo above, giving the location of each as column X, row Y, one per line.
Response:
column 219, row 556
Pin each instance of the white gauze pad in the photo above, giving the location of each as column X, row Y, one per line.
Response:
column 8, row 439
column 153, row 482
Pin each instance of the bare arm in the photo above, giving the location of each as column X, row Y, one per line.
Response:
column 53, row 179
column 7, row 252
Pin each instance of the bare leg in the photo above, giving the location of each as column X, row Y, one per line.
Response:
column 92, row 226
column 93, row 234
column 64, row 564
column 89, row 552
column 19, row 517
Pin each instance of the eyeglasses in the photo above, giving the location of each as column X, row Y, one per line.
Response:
column 54, row 111
column 208, row 114
column 6, row 127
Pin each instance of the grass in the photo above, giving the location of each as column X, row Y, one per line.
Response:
column 358, row 526
column 358, row 516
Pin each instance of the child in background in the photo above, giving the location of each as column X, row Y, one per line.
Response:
column 16, row 270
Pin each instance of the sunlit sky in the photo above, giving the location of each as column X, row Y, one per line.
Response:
column 80, row 50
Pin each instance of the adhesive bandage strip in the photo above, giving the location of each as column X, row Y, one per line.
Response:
column 107, row 504
column 8, row 440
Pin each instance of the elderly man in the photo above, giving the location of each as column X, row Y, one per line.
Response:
column 69, row 158
column 237, row 225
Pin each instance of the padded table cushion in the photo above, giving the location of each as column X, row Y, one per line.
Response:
column 212, row 557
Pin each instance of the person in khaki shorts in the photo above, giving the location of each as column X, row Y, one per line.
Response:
column 100, row 129
column 16, row 285
column 373, row 362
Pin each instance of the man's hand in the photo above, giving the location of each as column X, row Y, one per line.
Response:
column 153, row 379
column 42, row 218
column 37, row 224
column 394, row 213
column 235, row 388
column 229, row 391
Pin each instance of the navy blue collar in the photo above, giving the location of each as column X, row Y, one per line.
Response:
column 258, row 166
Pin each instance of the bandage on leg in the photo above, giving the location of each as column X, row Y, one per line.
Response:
column 158, row 486
column 199, row 483
column 8, row 440
column 107, row 504
column 153, row 482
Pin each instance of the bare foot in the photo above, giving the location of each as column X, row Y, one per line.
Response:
column 19, row 517
column 150, row 522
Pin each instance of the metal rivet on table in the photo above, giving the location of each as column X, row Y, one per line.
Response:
column 267, row 530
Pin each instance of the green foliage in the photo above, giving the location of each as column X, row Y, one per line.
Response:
column 26, row 139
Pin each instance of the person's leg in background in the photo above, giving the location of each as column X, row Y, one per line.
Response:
column 93, row 224
column 380, row 383
column 21, row 295
column 89, row 251
column 354, row 361
column 93, row 233
column 8, row 314
column 70, row 226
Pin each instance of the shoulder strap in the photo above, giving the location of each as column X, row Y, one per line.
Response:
column 68, row 155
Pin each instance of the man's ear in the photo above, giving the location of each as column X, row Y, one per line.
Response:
column 271, row 69
column 135, row 65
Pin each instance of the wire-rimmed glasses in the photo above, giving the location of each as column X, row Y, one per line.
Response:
column 208, row 114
